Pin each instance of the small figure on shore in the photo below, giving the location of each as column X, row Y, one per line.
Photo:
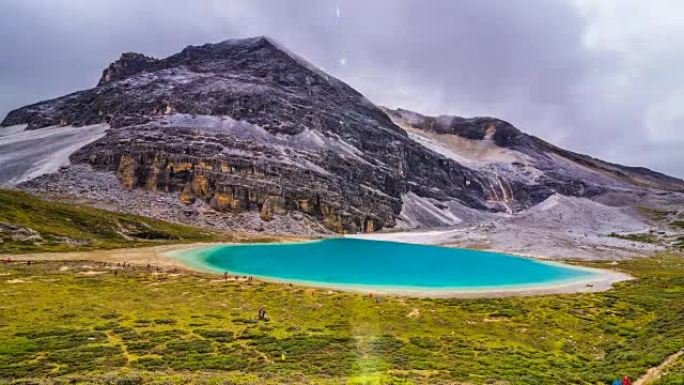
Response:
column 225, row 277
column 262, row 314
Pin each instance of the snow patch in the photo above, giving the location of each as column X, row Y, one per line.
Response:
column 12, row 130
column 25, row 155
column 418, row 211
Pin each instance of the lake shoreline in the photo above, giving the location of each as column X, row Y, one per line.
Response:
column 170, row 257
column 600, row 280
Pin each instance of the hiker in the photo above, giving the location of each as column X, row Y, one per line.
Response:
column 262, row 314
column 626, row 381
column 617, row 382
column 225, row 277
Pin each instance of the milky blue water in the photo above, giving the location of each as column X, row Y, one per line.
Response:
column 355, row 262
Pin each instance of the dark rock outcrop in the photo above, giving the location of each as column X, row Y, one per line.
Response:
column 129, row 64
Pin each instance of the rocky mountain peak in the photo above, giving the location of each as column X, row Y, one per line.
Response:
column 130, row 63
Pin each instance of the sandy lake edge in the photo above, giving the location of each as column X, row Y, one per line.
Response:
column 170, row 257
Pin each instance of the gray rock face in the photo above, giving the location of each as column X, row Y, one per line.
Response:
column 246, row 126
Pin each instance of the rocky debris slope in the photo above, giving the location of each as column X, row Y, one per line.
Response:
column 561, row 227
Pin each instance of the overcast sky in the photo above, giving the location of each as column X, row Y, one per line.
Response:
column 605, row 78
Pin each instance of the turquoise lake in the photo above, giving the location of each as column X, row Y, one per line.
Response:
column 365, row 263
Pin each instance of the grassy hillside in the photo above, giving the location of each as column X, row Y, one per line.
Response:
column 80, row 322
column 29, row 224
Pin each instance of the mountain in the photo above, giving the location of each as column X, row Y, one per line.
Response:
column 244, row 127
column 493, row 143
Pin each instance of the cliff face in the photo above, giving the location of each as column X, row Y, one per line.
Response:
column 245, row 125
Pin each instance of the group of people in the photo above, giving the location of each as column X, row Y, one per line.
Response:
column 237, row 277
column 624, row 381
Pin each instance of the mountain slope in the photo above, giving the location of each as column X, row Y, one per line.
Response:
column 28, row 223
column 485, row 141
column 247, row 126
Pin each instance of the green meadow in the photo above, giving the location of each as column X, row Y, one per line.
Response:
column 80, row 323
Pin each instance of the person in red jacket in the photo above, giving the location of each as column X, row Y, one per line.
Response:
column 626, row 381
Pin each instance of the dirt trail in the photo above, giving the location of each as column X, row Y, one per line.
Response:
column 655, row 372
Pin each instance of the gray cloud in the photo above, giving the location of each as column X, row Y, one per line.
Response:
column 602, row 78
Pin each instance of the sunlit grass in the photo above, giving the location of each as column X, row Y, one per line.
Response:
column 58, row 323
